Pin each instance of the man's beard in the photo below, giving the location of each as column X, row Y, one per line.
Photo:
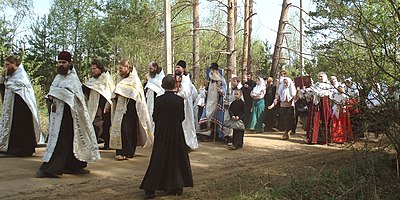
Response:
column 96, row 75
column 123, row 74
column 62, row 70
column 178, row 73
column 10, row 71
column 152, row 74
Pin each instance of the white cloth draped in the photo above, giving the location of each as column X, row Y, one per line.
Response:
column 258, row 91
column 338, row 101
column 321, row 89
column 104, row 86
column 286, row 94
column 217, row 83
column 130, row 88
column 18, row 83
column 188, row 124
column 153, row 86
column 68, row 89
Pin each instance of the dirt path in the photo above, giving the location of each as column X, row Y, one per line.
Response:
column 219, row 173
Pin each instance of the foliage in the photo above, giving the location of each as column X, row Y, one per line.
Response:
column 112, row 30
column 363, row 43
column 371, row 178
column 17, row 11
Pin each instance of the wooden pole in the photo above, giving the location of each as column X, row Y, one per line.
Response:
column 167, row 36
column 196, row 44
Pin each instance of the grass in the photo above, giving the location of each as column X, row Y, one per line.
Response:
column 373, row 177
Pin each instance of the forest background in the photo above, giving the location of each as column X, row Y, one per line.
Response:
column 347, row 38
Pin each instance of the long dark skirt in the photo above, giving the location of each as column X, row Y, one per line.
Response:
column 286, row 118
column 63, row 157
column 22, row 136
column 269, row 119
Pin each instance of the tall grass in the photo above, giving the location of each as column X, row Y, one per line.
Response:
column 372, row 177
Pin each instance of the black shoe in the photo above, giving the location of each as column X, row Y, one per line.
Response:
column 43, row 174
column 177, row 192
column 150, row 194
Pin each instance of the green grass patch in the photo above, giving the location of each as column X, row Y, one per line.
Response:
column 373, row 177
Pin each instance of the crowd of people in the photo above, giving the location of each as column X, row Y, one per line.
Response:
column 128, row 114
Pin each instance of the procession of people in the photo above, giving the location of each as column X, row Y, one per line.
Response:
column 124, row 114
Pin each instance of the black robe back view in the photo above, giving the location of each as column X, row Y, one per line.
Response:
column 169, row 167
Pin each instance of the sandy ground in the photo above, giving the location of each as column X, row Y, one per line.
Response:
column 218, row 172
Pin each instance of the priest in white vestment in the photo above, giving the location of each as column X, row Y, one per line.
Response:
column 19, row 125
column 130, row 122
column 153, row 88
column 98, row 90
column 71, row 138
column 184, row 90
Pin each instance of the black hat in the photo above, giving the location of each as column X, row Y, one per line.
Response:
column 181, row 63
column 214, row 66
column 64, row 55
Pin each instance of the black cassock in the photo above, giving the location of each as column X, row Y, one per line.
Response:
column 63, row 157
column 22, row 140
column 169, row 167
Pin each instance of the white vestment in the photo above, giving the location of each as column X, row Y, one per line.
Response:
column 217, row 83
column 153, row 86
column 67, row 89
column 188, row 124
column 17, row 84
column 130, row 88
column 104, row 86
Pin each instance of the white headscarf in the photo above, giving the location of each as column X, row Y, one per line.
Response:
column 259, row 87
column 287, row 93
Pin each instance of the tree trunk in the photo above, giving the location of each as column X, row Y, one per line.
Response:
column 231, row 57
column 196, row 44
column 249, row 60
column 279, row 39
column 246, row 39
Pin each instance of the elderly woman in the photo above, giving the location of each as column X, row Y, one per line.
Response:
column 257, row 111
column 320, row 111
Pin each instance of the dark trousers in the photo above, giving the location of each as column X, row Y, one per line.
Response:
column 238, row 137
column 106, row 129
column 129, row 131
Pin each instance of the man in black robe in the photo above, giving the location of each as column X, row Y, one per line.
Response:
column 69, row 119
column 169, row 168
column 269, row 115
column 248, row 86
column 19, row 127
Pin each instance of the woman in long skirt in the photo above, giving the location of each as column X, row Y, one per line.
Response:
column 257, row 111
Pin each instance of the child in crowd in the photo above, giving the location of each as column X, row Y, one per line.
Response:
column 237, row 111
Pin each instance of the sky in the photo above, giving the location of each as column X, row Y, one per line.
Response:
column 265, row 22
